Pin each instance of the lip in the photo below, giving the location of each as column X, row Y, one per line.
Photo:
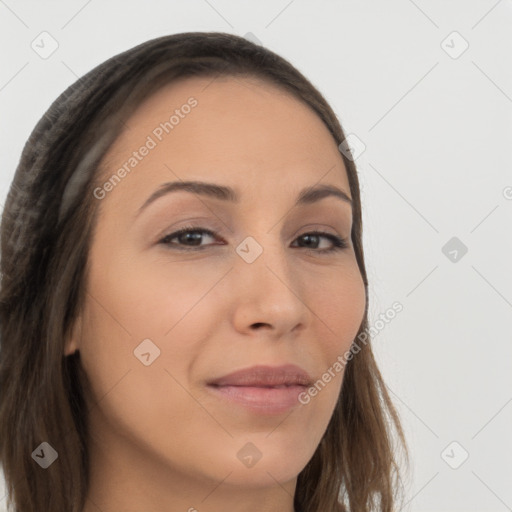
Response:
column 263, row 389
column 266, row 376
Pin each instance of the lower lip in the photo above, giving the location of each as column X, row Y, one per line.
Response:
column 261, row 400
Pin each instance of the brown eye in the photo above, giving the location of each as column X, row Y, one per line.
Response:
column 313, row 238
column 187, row 237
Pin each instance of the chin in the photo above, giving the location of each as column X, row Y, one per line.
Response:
column 261, row 469
column 262, row 475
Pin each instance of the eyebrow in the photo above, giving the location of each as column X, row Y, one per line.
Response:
column 308, row 195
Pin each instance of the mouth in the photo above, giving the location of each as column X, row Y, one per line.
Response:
column 266, row 376
column 258, row 386
column 262, row 389
column 261, row 399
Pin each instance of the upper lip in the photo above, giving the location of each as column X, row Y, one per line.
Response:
column 266, row 376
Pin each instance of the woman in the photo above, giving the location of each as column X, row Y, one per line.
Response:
column 182, row 285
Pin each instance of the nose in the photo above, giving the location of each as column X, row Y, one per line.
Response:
column 268, row 294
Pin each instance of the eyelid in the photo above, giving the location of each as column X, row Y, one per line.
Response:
column 338, row 242
column 196, row 223
column 216, row 227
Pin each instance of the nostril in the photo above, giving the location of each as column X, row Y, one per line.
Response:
column 258, row 324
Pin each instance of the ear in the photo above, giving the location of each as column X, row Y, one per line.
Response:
column 72, row 343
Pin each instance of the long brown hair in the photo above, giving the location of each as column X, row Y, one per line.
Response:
column 46, row 230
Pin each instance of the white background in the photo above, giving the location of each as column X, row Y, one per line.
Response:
column 437, row 164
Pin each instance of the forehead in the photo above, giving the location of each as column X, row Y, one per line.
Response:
column 239, row 131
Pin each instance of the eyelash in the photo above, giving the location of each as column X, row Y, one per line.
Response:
column 339, row 243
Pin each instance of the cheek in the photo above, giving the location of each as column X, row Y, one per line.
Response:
column 130, row 302
column 149, row 297
column 339, row 303
column 133, row 396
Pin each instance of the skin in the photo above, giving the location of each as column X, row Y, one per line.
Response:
column 159, row 440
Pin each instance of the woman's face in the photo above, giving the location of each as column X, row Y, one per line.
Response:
column 165, row 315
